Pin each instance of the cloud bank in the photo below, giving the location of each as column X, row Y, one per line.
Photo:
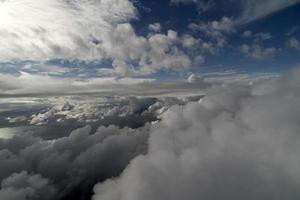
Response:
column 32, row 168
column 236, row 143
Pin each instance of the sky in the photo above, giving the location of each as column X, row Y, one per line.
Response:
column 151, row 100
column 82, row 41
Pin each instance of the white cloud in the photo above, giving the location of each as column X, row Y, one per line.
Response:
column 58, row 29
column 216, row 30
column 156, row 27
column 27, row 84
column 194, row 78
column 87, row 31
column 233, row 144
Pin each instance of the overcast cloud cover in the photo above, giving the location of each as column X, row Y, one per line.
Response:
column 149, row 100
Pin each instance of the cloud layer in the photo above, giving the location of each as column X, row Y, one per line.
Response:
column 236, row 143
column 58, row 29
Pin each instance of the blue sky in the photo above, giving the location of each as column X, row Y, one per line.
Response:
column 165, row 40
column 281, row 25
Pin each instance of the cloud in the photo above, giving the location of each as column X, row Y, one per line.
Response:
column 86, row 31
column 293, row 43
column 233, row 144
column 258, row 52
column 156, row 27
column 27, row 84
column 250, row 10
column 203, row 5
column 215, row 31
column 32, row 168
column 22, row 186
column 47, row 29
column 255, row 9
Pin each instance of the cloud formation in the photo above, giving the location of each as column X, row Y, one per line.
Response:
column 58, row 29
column 86, row 31
column 32, row 168
column 236, row 143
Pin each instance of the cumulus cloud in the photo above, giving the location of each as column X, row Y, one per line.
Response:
column 215, row 30
column 233, row 144
column 86, row 31
column 32, row 168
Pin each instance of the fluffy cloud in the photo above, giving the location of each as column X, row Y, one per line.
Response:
column 235, row 143
column 215, row 30
column 86, row 31
column 136, row 55
column 32, row 168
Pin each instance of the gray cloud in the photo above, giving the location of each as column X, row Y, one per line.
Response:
column 22, row 186
column 235, row 143
column 53, row 169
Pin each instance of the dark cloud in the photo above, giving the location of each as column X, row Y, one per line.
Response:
column 79, row 160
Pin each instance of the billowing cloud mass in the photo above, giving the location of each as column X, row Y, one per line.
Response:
column 149, row 100
column 22, row 186
column 87, row 31
column 32, row 168
column 240, row 141
column 236, row 143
